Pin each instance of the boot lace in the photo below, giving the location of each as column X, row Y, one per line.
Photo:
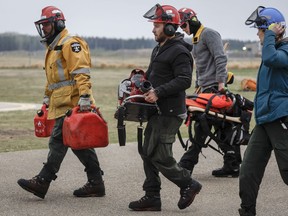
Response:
column 87, row 185
column 143, row 199
column 183, row 192
column 37, row 180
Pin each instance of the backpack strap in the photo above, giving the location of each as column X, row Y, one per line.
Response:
column 121, row 126
column 185, row 146
column 140, row 139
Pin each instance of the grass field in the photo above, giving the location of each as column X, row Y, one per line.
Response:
column 26, row 85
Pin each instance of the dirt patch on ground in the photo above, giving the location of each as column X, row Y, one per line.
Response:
column 12, row 133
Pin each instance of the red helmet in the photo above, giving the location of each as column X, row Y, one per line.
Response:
column 163, row 14
column 186, row 14
column 50, row 14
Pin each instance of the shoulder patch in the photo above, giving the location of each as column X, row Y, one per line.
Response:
column 76, row 47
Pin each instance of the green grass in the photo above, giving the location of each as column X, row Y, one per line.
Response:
column 27, row 86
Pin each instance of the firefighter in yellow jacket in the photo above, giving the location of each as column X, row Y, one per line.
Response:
column 67, row 67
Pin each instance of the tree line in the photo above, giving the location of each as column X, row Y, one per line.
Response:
column 15, row 41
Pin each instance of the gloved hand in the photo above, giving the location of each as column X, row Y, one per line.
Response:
column 84, row 103
column 46, row 100
column 223, row 90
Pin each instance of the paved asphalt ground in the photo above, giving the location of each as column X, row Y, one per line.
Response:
column 123, row 180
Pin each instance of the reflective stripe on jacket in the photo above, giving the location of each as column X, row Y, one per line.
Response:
column 67, row 67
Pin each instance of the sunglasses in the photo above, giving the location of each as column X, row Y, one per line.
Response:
column 184, row 25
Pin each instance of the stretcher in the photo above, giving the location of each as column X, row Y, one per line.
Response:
column 192, row 109
column 224, row 118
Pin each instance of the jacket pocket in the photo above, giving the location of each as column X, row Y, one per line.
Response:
column 167, row 138
column 263, row 105
column 62, row 96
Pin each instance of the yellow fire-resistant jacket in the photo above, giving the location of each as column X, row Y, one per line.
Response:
column 67, row 67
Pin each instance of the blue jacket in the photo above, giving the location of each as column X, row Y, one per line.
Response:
column 271, row 100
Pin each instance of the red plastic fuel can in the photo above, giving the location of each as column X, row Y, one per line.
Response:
column 82, row 130
column 42, row 126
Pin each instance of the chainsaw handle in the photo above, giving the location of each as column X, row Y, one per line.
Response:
column 133, row 96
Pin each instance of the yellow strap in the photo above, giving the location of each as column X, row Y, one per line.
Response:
column 196, row 38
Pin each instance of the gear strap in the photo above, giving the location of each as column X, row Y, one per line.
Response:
column 121, row 126
column 185, row 146
column 140, row 138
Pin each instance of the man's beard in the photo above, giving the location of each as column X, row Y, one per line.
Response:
column 161, row 38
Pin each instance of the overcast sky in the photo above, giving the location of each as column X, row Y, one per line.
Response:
column 124, row 18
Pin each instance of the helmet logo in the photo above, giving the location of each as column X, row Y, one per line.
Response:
column 170, row 13
column 183, row 9
column 56, row 11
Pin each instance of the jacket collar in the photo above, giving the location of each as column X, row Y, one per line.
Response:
column 196, row 38
column 57, row 39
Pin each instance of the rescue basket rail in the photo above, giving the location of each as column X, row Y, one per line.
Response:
column 225, row 117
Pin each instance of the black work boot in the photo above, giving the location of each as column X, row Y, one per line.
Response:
column 243, row 212
column 93, row 188
column 146, row 203
column 226, row 172
column 37, row 185
column 188, row 194
column 231, row 167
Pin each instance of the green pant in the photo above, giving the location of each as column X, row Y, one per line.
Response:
column 158, row 156
column 57, row 152
column 264, row 139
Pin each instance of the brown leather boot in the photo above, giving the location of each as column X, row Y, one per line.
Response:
column 146, row 203
column 37, row 185
column 93, row 188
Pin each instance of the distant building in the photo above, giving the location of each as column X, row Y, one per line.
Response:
column 253, row 49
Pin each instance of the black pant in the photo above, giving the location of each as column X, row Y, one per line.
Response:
column 232, row 154
column 157, row 154
column 264, row 139
column 57, row 152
